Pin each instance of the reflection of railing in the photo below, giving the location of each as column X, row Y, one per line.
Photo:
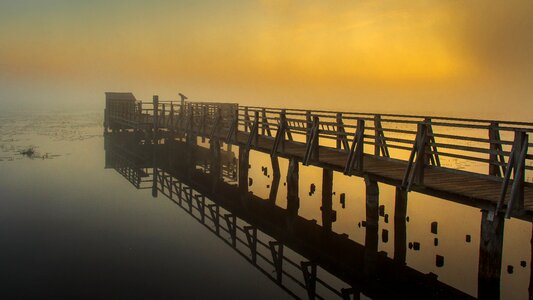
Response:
column 416, row 143
column 218, row 220
column 135, row 175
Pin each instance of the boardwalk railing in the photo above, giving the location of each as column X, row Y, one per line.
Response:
column 489, row 149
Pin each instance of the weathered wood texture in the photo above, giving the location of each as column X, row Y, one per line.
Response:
column 485, row 163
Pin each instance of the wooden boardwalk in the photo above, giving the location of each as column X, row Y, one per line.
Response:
column 408, row 151
column 440, row 182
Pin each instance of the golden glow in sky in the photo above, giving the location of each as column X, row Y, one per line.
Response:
column 262, row 49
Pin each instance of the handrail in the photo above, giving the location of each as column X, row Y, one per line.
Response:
column 478, row 143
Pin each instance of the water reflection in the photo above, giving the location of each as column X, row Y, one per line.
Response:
column 277, row 224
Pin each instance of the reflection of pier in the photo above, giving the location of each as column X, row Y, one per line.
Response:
column 409, row 152
column 243, row 223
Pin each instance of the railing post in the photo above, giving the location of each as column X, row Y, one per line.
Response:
column 279, row 144
column 339, row 128
column 516, row 202
column 497, row 161
column 236, row 124
column 517, row 165
column 377, row 133
column 140, row 111
column 191, row 136
column 421, row 158
column 283, row 124
column 356, row 156
column 162, row 117
column 204, row 121
column 182, row 119
column 312, row 145
column 380, row 146
column 309, row 126
column 246, row 119
column 253, row 136
column 256, row 129
column 287, row 129
column 155, row 101
column 265, row 128
column 432, row 151
column 414, row 173
column 171, row 119
column 315, row 152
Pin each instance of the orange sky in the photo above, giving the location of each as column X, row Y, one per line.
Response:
column 439, row 57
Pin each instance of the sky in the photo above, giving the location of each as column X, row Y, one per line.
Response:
column 446, row 57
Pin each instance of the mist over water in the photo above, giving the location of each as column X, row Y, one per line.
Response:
column 73, row 225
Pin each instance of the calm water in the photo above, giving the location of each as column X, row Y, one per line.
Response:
column 70, row 227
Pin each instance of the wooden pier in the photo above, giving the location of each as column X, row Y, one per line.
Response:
column 481, row 163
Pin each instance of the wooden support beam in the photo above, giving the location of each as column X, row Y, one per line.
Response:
column 234, row 128
column 400, row 226
column 287, row 129
column 171, row 121
column 516, row 203
column 203, row 125
column 276, row 176
column 497, row 161
column 379, row 140
column 431, row 148
column 191, row 136
column 516, row 164
column 155, row 174
column 216, row 163
column 162, row 117
column 342, row 139
column 253, row 136
column 244, row 161
column 328, row 215
column 279, row 141
column 308, row 126
column 356, row 155
column 155, row 121
column 293, row 199
column 312, row 145
column 265, row 128
column 247, row 125
column 490, row 255
column 215, row 129
column 371, row 229
column 414, row 173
